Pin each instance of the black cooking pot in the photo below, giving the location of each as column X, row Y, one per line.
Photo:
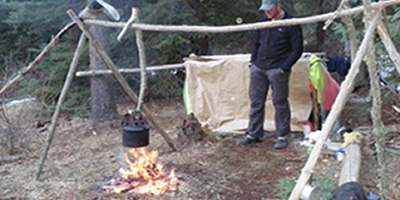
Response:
column 135, row 136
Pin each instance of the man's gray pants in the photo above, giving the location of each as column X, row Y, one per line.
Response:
column 260, row 80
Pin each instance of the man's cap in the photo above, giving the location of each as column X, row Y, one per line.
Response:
column 268, row 4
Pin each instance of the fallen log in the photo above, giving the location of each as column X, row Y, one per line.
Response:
column 351, row 164
column 9, row 159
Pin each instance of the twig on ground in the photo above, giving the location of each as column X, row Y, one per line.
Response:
column 8, row 159
column 392, row 151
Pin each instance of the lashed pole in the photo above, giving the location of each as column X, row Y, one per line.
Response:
column 74, row 64
column 346, row 88
column 389, row 46
column 376, row 109
column 147, row 114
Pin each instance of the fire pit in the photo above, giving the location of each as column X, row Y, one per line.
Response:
column 143, row 175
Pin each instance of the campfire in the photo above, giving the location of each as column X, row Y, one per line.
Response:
column 143, row 175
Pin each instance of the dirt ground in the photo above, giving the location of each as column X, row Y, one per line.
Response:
column 81, row 159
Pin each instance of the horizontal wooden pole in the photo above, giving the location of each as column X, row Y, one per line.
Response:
column 242, row 27
column 129, row 70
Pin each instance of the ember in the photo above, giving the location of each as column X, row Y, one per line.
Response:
column 144, row 175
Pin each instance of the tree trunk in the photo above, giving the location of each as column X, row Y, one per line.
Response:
column 362, row 76
column 102, row 102
column 348, row 21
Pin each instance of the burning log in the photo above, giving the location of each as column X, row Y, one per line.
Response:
column 142, row 176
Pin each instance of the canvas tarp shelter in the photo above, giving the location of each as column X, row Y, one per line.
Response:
column 217, row 93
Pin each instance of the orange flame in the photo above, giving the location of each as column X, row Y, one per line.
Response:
column 145, row 168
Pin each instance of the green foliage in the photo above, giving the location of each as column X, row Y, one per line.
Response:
column 341, row 30
column 166, row 84
column 168, row 12
column 284, row 187
column 48, row 80
column 394, row 23
column 168, row 47
column 327, row 186
column 77, row 102
column 49, row 75
column 28, row 24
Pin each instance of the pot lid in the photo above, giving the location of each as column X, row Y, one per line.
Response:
column 135, row 128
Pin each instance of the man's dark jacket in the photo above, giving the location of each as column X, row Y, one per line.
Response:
column 278, row 47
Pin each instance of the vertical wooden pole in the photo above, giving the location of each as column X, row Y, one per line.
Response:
column 142, row 61
column 147, row 114
column 375, row 91
column 64, row 91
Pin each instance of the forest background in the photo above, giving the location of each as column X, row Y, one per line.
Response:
column 27, row 26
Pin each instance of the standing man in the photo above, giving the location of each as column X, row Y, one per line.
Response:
column 275, row 51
